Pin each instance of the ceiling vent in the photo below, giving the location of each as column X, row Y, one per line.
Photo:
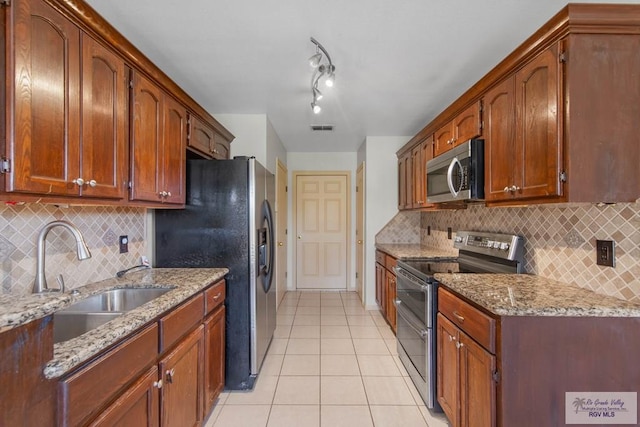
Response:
column 322, row 128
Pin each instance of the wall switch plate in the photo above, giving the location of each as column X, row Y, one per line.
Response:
column 605, row 253
column 449, row 233
column 124, row 244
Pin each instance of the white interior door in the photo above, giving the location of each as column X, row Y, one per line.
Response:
column 360, row 270
column 321, row 231
column 281, row 231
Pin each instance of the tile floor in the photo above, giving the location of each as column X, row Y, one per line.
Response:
column 331, row 363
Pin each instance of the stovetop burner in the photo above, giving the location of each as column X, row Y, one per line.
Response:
column 479, row 252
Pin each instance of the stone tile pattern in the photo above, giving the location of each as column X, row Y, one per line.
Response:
column 560, row 240
column 403, row 228
column 100, row 226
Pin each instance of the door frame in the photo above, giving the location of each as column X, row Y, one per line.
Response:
column 281, row 208
column 294, row 210
column 361, row 218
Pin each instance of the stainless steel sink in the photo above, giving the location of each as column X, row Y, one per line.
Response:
column 98, row 309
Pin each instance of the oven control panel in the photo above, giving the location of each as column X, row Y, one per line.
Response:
column 506, row 246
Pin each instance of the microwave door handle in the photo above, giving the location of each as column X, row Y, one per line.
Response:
column 454, row 192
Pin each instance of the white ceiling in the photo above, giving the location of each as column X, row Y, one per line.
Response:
column 398, row 62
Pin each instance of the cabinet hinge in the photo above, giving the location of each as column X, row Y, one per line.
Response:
column 286, row 188
column 357, row 189
column 482, row 125
column 5, row 165
column 189, row 128
column 563, row 176
column 6, row 3
column 496, row 376
column 130, row 185
column 356, row 274
column 562, row 57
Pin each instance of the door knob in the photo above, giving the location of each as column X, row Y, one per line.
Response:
column 280, row 244
column 299, row 237
column 359, row 242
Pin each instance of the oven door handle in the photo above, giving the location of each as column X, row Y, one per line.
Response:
column 409, row 279
column 402, row 312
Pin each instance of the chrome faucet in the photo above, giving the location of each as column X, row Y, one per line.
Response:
column 40, row 284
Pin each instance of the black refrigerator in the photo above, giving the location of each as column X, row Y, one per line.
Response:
column 227, row 222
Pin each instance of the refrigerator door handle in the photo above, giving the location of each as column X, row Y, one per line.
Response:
column 269, row 243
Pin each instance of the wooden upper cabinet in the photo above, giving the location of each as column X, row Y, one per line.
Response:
column 463, row 127
column 200, row 137
column 158, row 161
column 203, row 139
column 522, row 142
column 104, row 106
column 405, row 185
column 499, row 139
column 46, row 144
column 70, row 109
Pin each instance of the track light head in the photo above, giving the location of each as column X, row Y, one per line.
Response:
column 314, row 60
column 315, row 108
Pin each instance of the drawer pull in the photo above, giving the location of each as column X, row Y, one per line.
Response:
column 459, row 345
column 157, row 384
column 452, row 338
column 217, row 297
column 458, row 316
column 170, row 374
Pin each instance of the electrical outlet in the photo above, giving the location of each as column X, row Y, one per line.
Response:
column 124, row 244
column 449, row 233
column 605, row 253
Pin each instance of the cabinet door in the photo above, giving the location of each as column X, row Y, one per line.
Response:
column 499, row 141
column 104, row 106
column 405, row 181
column 417, row 176
column 200, row 137
column 138, row 406
column 447, row 368
column 443, row 139
column 477, row 387
column 390, row 280
column 427, row 154
column 213, row 358
column 537, row 138
column 181, row 393
column 146, row 140
column 174, row 162
column 46, row 143
column 221, row 147
column 380, row 288
column 467, row 124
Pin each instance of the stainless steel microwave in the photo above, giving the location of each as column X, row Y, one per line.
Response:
column 458, row 174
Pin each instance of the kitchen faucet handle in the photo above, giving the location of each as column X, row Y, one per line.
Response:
column 60, row 281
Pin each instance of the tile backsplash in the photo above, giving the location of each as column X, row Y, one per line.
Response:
column 560, row 240
column 100, row 226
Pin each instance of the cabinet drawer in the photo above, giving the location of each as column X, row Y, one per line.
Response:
column 180, row 321
column 83, row 394
column 475, row 323
column 380, row 257
column 214, row 296
column 390, row 263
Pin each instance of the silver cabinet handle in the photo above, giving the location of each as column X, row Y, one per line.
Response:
column 169, row 374
column 157, row 384
column 459, row 316
column 217, row 296
column 78, row 181
column 168, row 193
column 514, row 188
column 459, row 345
column 92, row 183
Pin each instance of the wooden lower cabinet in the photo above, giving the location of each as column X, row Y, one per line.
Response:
column 466, row 388
column 214, row 342
column 386, row 287
column 181, row 393
column 138, row 406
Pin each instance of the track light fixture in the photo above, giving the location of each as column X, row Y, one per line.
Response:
column 326, row 70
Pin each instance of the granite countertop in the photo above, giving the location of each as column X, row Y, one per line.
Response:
column 185, row 282
column 415, row 250
column 528, row 295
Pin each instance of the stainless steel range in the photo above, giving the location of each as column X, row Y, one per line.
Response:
column 417, row 298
